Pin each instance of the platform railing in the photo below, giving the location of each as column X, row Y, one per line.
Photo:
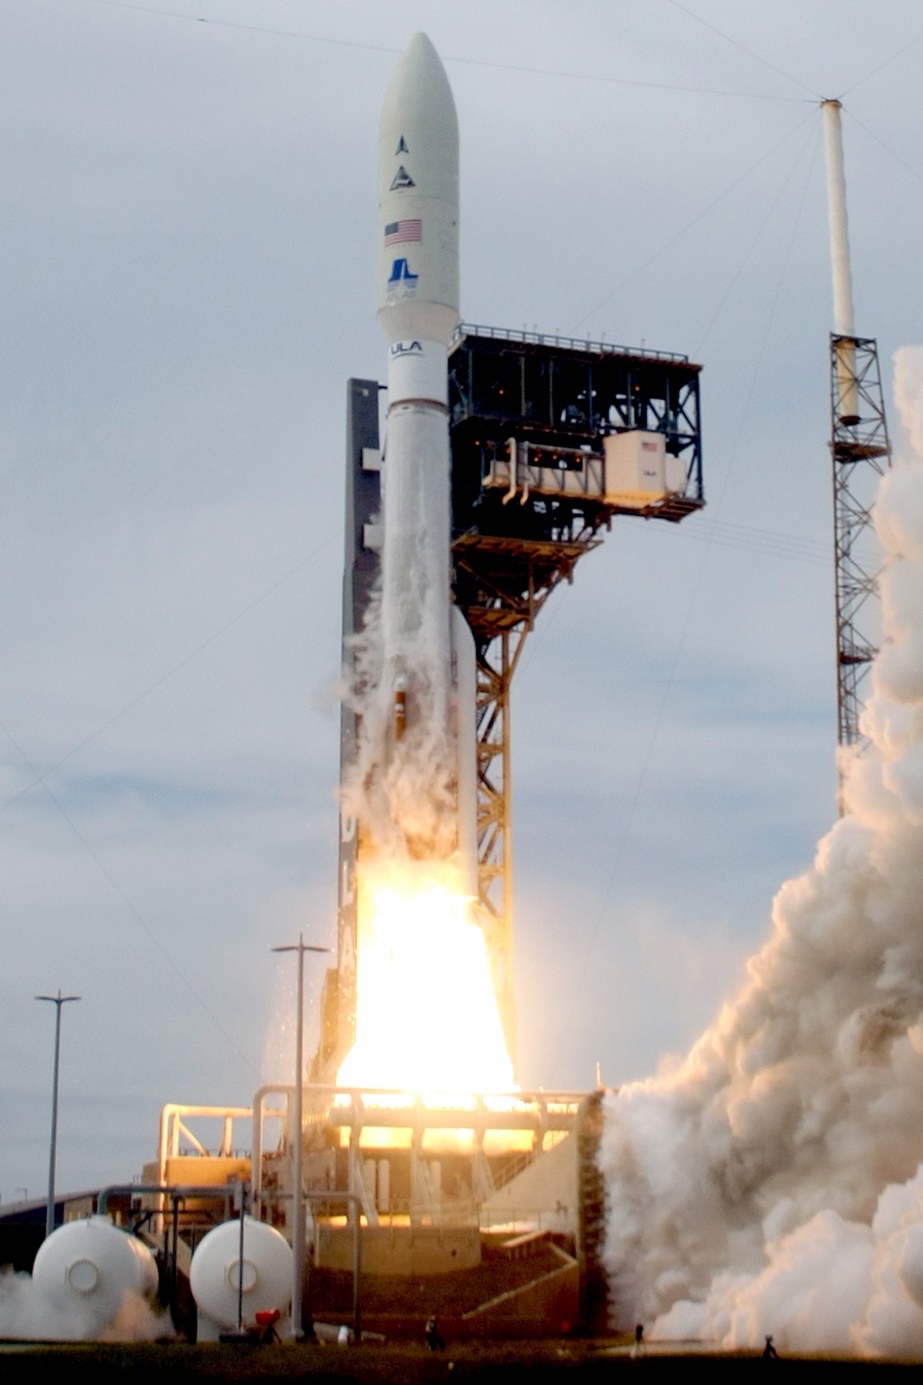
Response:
column 536, row 338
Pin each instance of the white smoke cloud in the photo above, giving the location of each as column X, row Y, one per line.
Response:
column 402, row 792
column 772, row 1182
column 26, row 1314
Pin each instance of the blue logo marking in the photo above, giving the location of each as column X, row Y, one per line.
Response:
column 400, row 273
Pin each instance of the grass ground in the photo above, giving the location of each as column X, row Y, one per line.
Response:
column 487, row 1363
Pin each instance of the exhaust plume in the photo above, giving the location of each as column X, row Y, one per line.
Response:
column 772, row 1182
column 403, row 792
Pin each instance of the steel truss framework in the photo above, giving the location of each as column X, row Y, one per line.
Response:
column 511, row 581
column 861, row 452
column 509, row 558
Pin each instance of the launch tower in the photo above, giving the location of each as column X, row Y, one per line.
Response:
column 551, row 438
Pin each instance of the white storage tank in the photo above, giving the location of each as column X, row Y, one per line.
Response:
column 639, row 472
column 85, row 1270
column 215, row 1276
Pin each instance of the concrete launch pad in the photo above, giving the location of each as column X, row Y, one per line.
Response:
column 484, row 1208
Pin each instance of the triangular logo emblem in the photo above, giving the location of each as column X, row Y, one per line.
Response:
column 401, row 146
column 402, row 179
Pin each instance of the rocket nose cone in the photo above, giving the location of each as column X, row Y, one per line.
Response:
column 421, row 43
column 420, row 54
column 419, row 87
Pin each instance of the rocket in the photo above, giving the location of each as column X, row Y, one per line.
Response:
column 427, row 677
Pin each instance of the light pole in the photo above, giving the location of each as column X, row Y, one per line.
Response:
column 56, row 1000
column 301, row 947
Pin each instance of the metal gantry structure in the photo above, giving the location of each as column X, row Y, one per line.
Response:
column 530, row 417
column 861, row 453
column 361, row 572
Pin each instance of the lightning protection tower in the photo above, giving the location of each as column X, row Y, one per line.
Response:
column 860, row 453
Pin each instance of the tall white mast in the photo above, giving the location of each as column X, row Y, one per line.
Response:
column 843, row 324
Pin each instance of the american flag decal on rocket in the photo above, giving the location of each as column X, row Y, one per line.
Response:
column 400, row 232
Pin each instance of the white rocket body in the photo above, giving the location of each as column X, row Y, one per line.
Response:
column 427, row 654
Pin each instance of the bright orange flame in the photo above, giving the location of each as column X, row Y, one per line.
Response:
column 426, row 1011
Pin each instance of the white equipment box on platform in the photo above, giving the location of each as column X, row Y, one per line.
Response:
column 638, row 470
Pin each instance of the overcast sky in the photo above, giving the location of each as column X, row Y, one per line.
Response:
column 187, row 279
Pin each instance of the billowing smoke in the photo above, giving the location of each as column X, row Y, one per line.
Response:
column 772, row 1182
column 402, row 792
column 26, row 1314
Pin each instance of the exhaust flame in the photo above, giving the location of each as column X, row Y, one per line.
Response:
column 772, row 1182
column 426, row 1012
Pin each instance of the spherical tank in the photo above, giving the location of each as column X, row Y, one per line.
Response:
column 215, row 1273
